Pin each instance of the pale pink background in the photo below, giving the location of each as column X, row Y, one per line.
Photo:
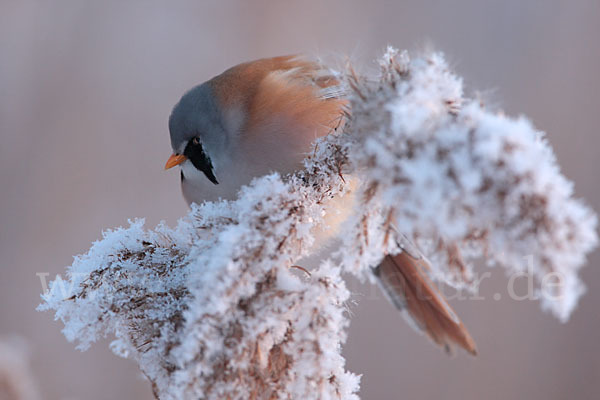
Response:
column 87, row 87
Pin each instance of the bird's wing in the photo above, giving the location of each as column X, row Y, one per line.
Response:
column 404, row 280
column 282, row 90
column 293, row 105
column 325, row 81
column 301, row 89
column 240, row 84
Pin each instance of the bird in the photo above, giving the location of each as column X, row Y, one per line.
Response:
column 263, row 116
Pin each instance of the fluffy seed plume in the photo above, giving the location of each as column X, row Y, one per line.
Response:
column 218, row 308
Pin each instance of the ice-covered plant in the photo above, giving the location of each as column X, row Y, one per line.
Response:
column 219, row 308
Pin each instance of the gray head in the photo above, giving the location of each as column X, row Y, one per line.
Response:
column 197, row 131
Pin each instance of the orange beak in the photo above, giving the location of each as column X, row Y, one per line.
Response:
column 174, row 160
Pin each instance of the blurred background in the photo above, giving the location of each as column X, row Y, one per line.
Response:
column 86, row 90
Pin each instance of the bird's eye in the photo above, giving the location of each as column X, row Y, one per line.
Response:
column 196, row 141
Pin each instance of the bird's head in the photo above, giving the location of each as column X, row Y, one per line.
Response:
column 198, row 132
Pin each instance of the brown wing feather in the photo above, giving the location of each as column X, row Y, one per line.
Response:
column 288, row 98
column 296, row 93
column 287, row 103
column 240, row 84
column 404, row 280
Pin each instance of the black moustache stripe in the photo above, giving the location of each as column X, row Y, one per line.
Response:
column 195, row 153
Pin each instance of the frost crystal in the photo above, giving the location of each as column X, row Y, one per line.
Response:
column 462, row 182
column 217, row 308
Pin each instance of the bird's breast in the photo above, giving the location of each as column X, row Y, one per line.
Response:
column 197, row 188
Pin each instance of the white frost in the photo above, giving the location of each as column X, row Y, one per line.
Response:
column 213, row 307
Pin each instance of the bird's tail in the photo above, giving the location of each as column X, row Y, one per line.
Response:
column 405, row 281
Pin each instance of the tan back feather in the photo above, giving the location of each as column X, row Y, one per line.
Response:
column 286, row 101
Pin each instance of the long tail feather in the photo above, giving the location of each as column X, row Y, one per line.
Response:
column 404, row 280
